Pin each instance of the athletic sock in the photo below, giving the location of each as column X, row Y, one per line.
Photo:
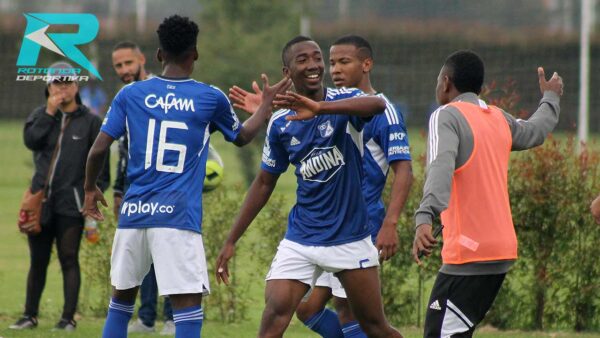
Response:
column 119, row 314
column 353, row 330
column 325, row 323
column 188, row 322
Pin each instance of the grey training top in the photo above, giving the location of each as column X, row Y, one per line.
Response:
column 450, row 144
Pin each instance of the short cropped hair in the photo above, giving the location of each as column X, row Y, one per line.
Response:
column 126, row 45
column 289, row 44
column 177, row 34
column 467, row 71
column 363, row 46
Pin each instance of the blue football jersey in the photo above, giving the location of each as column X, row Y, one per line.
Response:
column 326, row 152
column 167, row 122
column 386, row 141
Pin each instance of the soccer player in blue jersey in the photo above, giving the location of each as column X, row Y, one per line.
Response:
column 386, row 146
column 320, row 134
column 167, row 119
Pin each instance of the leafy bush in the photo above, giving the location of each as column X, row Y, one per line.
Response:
column 225, row 303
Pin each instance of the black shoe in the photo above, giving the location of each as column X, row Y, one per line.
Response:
column 66, row 324
column 25, row 322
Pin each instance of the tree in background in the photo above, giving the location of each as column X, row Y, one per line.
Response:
column 238, row 41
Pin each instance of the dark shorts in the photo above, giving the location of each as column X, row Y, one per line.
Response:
column 458, row 303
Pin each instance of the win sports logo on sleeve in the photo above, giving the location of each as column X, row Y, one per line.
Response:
column 62, row 43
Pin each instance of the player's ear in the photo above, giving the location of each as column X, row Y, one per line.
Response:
column 195, row 54
column 446, row 84
column 142, row 58
column 367, row 65
column 159, row 56
column 286, row 71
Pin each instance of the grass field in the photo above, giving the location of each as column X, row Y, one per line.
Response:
column 14, row 257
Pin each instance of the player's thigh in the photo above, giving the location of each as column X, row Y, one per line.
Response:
column 282, row 296
column 363, row 290
column 130, row 258
column 179, row 261
column 458, row 303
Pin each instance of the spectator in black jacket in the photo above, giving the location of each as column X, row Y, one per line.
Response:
column 61, row 220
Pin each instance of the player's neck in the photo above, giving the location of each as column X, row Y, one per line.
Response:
column 172, row 70
column 365, row 86
column 316, row 95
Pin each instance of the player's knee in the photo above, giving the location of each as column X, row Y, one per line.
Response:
column 375, row 327
column 304, row 312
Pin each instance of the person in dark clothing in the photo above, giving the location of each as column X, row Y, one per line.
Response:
column 61, row 219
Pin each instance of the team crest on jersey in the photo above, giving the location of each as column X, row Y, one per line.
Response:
column 326, row 129
column 321, row 164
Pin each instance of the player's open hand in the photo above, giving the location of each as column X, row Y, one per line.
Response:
column 555, row 83
column 304, row 107
column 387, row 240
column 423, row 243
column 222, row 263
column 244, row 100
column 595, row 209
column 269, row 92
column 90, row 204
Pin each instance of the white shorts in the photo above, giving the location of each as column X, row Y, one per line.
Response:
column 178, row 257
column 306, row 263
column 328, row 280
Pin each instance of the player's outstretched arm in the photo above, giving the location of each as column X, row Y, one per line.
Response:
column 93, row 167
column 361, row 106
column 256, row 121
column 244, row 100
column 387, row 237
column 532, row 132
column 256, row 198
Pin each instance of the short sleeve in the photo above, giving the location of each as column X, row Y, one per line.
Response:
column 114, row 123
column 275, row 158
column 357, row 122
column 392, row 136
column 225, row 120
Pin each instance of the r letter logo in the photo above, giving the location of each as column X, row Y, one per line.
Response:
column 63, row 44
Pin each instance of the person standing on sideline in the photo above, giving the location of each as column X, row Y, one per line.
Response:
column 319, row 132
column 129, row 64
column 60, row 132
column 168, row 118
column 468, row 156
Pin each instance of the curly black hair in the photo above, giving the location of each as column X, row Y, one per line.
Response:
column 177, row 34
column 467, row 71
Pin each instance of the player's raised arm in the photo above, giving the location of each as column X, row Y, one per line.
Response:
column 361, row 106
column 253, row 124
column 532, row 132
column 256, row 198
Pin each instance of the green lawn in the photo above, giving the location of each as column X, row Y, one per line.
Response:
column 15, row 176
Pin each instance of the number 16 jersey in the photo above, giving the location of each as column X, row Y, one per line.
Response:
column 167, row 122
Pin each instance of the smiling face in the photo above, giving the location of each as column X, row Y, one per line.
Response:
column 305, row 66
column 346, row 65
